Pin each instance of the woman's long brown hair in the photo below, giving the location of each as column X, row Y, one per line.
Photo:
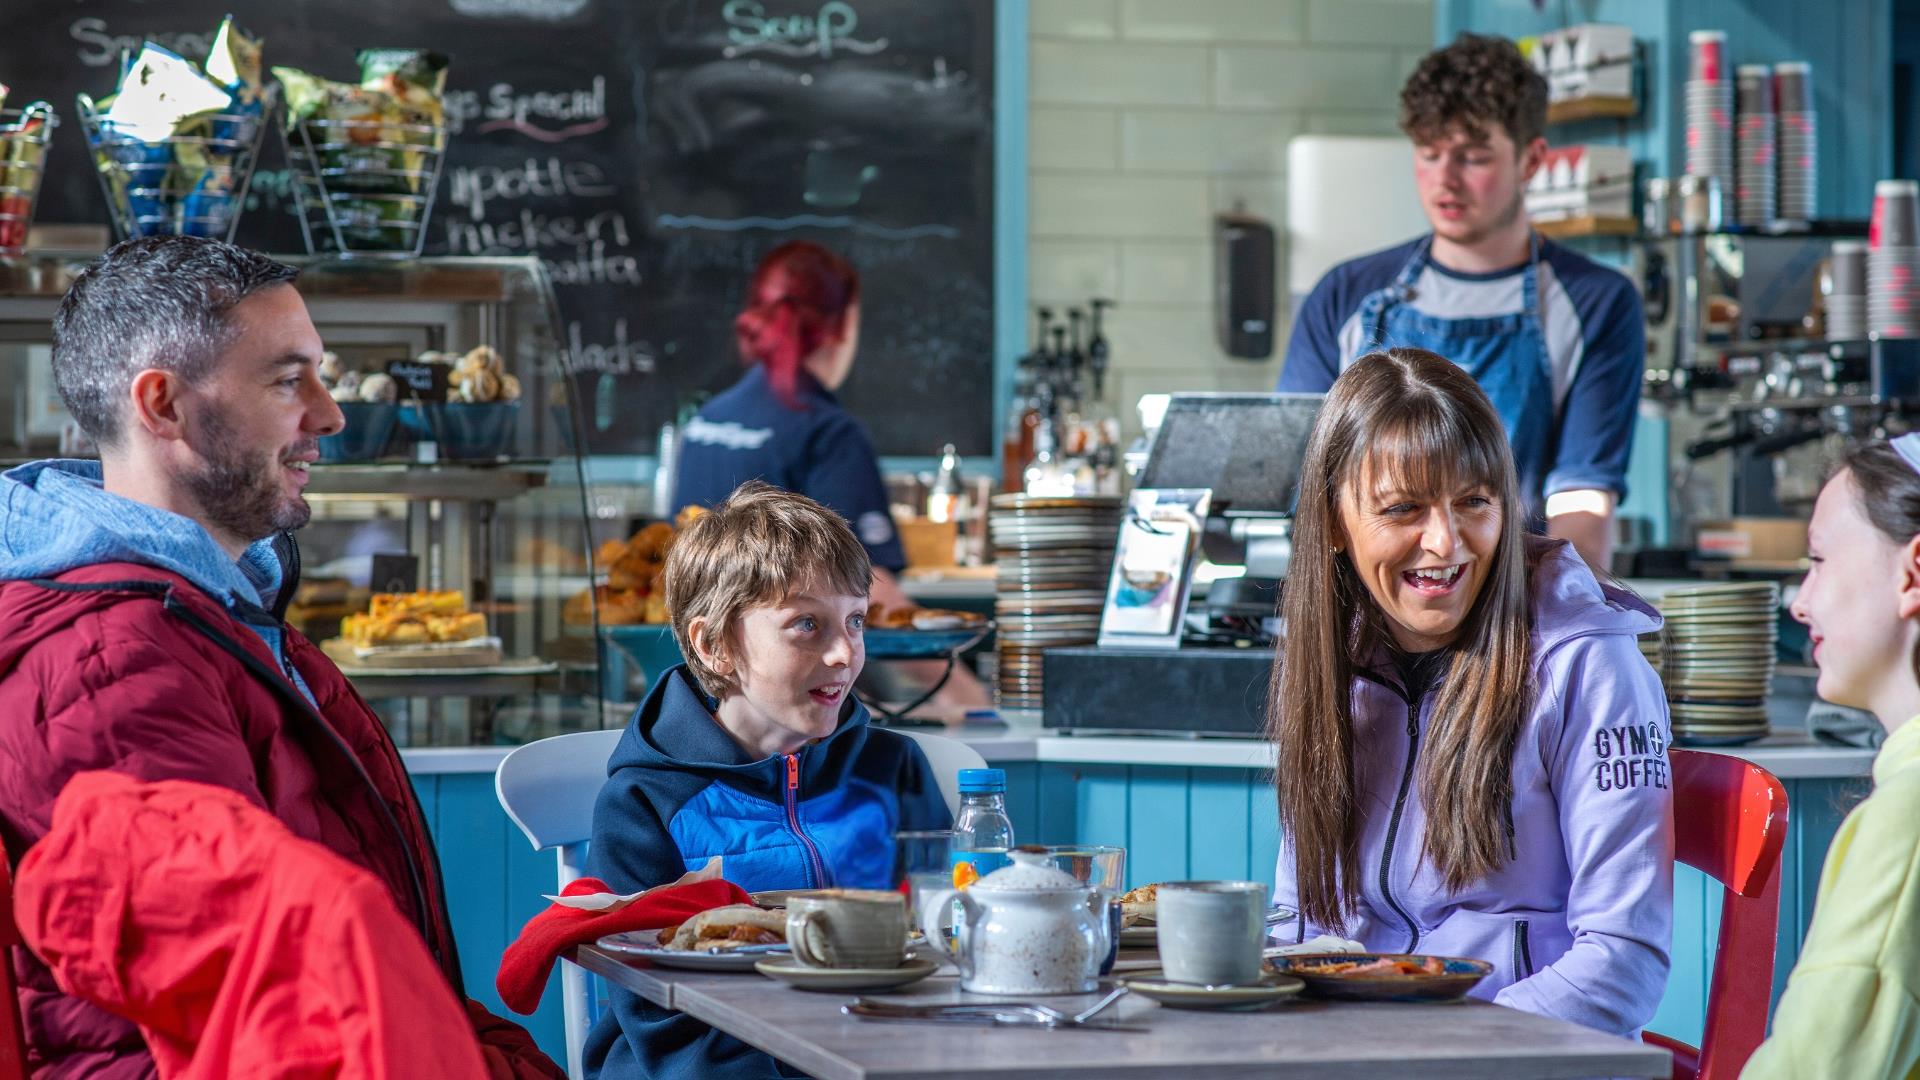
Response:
column 1421, row 420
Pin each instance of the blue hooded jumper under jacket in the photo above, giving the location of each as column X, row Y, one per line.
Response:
column 680, row 791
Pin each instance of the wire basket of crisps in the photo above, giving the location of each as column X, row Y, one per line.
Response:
column 24, row 134
column 365, row 187
column 192, row 182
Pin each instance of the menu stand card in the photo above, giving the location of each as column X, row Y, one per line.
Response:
column 1153, row 567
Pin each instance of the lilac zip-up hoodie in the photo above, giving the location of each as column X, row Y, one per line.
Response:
column 1578, row 926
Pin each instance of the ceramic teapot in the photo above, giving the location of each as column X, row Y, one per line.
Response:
column 1027, row 928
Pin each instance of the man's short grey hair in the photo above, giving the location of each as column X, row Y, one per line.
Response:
column 150, row 302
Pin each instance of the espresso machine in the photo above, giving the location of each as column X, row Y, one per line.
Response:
column 1758, row 395
column 1248, row 450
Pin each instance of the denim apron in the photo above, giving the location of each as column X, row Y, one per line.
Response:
column 1506, row 355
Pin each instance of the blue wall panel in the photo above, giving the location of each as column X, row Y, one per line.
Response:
column 1263, row 825
column 1219, row 825
column 1683, row 1009
column 1100, row 805
column 1157, row 825
column 494, row 884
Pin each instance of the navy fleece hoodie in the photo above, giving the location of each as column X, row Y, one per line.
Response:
column 680, row 790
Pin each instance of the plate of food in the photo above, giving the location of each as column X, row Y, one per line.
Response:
column 423, row 629
column 1383, row 976
column 731, row 938
column 1138, row 910
column 909, row 632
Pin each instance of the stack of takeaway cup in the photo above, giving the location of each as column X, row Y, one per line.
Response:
column 1052, row 557
column 1796, row 151
column 1756, row 177
column 1709, row 104
column 1893, row 260
column 1717, row 660
column 1845, row 285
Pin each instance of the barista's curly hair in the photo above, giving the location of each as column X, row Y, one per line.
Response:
column 1475, row 83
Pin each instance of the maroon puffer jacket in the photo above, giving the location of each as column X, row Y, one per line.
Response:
column 133, row 669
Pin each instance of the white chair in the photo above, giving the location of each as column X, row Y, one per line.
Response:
column 548, row 788
column 947, row 757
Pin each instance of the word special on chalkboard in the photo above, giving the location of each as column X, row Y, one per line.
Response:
column 649, row 152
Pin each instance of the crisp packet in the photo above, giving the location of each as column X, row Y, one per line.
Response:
column 397, row 71
column 234, row 63
column 416, row 80
column 159, row 92
column 346, row 126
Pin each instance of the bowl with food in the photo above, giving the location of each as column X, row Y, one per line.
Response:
column 1384, row 976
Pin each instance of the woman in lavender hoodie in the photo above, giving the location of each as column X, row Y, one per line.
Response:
column 1472, row 752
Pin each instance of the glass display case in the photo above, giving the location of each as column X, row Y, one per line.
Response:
column 425, row 490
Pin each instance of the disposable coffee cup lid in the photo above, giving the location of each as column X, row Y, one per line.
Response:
column 1702, row 36
column 1754, row 70
column 1849, row 247
column 1793, row 67
column 1896, row 187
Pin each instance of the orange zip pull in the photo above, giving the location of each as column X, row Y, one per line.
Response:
column 793, row 772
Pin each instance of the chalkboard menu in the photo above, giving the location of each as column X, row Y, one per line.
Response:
column 649, row 151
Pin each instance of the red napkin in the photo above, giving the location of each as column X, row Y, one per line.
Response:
column 529, row 960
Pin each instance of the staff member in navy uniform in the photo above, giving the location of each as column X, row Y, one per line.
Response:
column 781, row 423
column 1556, row 340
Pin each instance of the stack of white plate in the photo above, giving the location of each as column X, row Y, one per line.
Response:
column 1652, row 646
column 1717, row 660
column 1053, row 556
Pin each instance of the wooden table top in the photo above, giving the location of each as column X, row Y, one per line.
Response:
column 1299, row 1039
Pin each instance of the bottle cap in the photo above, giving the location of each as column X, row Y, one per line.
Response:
column 982, row 780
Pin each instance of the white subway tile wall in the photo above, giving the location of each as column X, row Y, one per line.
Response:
column 1150, row 116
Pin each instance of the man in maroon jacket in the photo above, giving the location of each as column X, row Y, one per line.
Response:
column 142, row 603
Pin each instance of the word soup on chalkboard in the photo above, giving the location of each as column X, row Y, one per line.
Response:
column 649, row 152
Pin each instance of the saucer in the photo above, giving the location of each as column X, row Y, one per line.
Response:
column 1269, row 989
column 801, row 977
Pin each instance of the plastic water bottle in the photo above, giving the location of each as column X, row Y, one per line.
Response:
column 982, row 833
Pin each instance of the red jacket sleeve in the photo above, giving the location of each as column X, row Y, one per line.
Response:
column 126, row 703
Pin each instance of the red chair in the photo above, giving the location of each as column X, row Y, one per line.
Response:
column 1730, row 822
column 13, row 1038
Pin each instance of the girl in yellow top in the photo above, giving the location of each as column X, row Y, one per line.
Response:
column 1852, row 1006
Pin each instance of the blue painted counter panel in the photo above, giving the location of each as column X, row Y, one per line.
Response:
column 1176, row 823
column 495, row 883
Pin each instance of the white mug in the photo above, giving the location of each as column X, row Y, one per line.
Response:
column 1211, row 932
column 847, row 928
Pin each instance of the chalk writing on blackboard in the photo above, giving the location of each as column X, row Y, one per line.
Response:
column 750, row 29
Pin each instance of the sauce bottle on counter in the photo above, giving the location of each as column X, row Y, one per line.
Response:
column 982, row 832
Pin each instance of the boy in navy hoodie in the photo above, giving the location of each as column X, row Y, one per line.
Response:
column 755, row 750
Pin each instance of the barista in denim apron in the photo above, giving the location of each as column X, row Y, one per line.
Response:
column 1506, row 354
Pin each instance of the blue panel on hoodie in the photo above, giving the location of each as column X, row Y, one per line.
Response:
column 679, row 789
column 760, row 851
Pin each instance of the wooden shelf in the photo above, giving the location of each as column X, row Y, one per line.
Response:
column 1592, row 108
column 1587, row 225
